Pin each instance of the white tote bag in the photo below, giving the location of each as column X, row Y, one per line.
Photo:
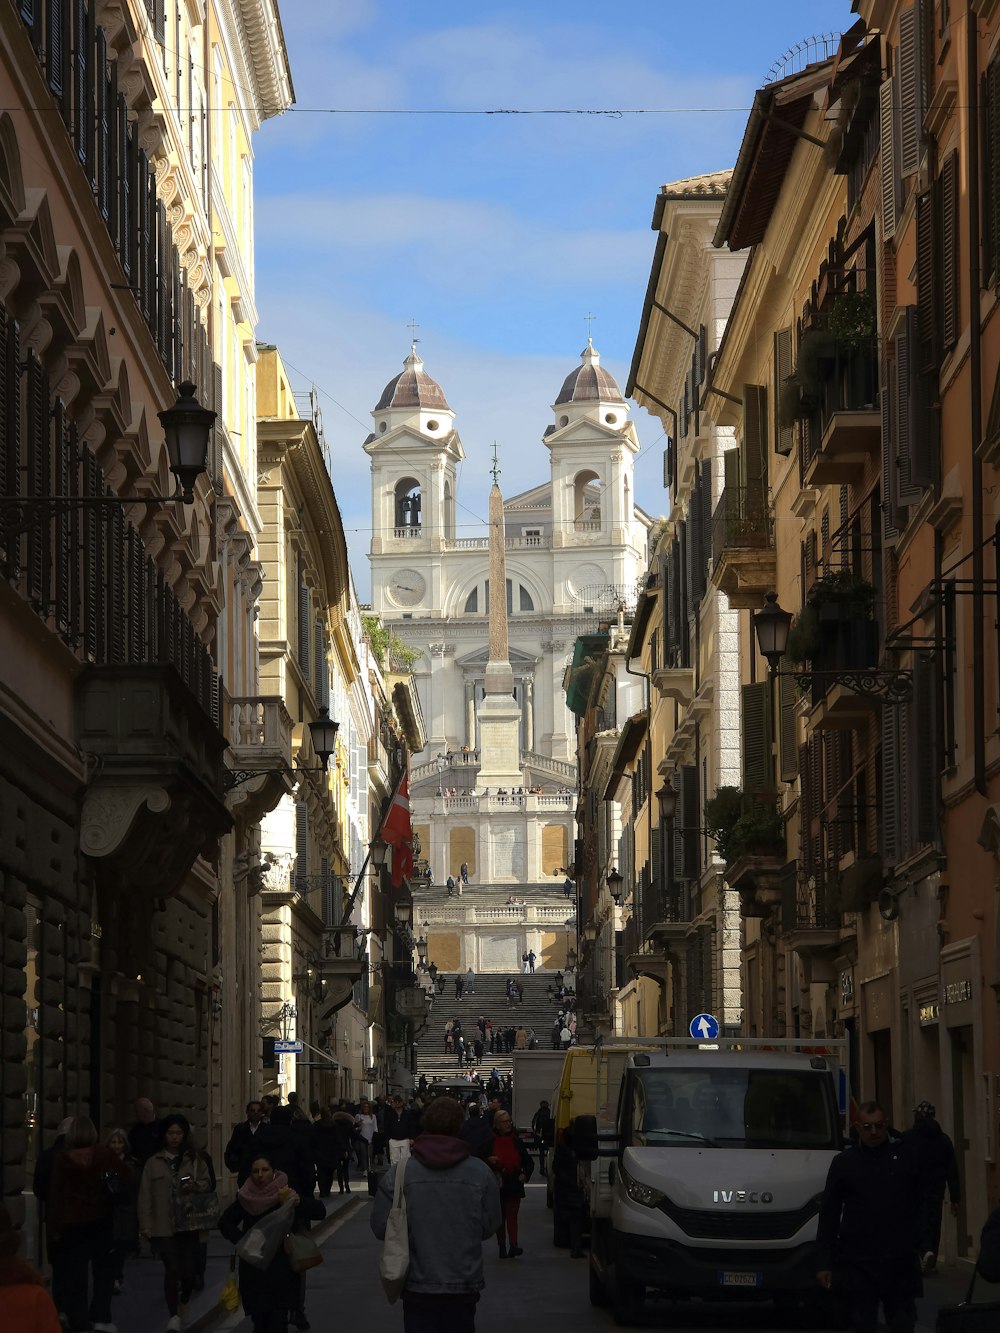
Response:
column 394, row 1263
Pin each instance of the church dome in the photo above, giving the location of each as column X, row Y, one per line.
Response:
column 589, row 383
column 413, row 388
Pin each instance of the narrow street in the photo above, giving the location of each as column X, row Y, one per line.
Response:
column 544, row 1289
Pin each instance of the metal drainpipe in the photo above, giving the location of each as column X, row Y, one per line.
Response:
column 976, row 410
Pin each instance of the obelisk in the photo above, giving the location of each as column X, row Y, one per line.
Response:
column 499, row 711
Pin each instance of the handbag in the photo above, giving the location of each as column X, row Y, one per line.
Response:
column 262, row 1241
column 983, row 1317
column 229, row 1296
column 394, row 1261
column 302, row 1251
column 196, row 1212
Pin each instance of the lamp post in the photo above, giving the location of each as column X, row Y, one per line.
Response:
column 186, row 427
column 772, row 625
column 323, row 733
column 616, row 881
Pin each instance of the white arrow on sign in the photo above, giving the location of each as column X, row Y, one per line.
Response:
column 704, row 1026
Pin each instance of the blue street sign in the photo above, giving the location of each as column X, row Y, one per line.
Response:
column 288, row 1048
column 703, row 1026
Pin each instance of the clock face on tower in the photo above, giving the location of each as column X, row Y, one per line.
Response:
column 406, row 587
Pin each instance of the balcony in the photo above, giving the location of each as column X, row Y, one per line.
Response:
column 260, row 753
column 848, row 643
column 845, row 431
column 810, row 921
column 675, row 682
column 153, row 803
column 743, row 562
column 838, row 456
column 669, row 915
column 758, row 880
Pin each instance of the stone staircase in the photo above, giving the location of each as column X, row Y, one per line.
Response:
column 538, row 1011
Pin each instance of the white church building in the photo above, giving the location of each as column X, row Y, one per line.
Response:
column 497, row 790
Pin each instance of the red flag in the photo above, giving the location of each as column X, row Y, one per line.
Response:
column 398, row 833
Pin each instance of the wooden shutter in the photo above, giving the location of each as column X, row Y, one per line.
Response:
column 701, row 355
column 788, row 751
column 668, row 466
column 924, row 742
column 301, row 847
column 757, row 737
column 305, row 619
column 991, row 171
column 675, row 633
column 890, row 528
column 926, row 358
column 56, row 17
column 83, row 85
column 755, row 438
column 888, row 160
column 38, row 462
column 950, row 252
column 706, row 519
column 123, row 155
column 31, row 17
column 784, row 436
column 157, row 13
column 104, row 114
column 890, row 822
column 910, row 106
column 321, row 667
column 689, row 803
column 908, row 486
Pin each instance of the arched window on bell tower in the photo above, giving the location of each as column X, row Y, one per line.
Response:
column 407, row 505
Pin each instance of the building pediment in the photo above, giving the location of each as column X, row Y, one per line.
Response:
column 586, row 432
column 481, row 656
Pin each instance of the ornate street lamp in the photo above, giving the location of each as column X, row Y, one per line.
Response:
column 186, row 428
column 667, row 798
column 404, row 911
column 615, row 882
column 323, row 733
column 771, row 625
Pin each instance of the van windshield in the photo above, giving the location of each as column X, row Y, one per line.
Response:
column 733, row 1108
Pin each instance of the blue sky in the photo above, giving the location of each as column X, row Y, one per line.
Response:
column 498, row 234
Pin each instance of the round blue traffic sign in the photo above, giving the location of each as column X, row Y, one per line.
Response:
column 705, row 1027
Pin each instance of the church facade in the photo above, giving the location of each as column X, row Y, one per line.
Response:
column 573, row 546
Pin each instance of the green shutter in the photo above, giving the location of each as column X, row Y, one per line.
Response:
column 788, row 753
column 910, row 108
column 755, row 436
column 888, row 159
column 757, row 766
column 784, row 436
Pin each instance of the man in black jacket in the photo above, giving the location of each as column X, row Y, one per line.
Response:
column 935, row 1156
column 242, row 1137
column 869, row 1227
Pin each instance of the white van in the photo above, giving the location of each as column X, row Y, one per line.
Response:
column 710, row 1184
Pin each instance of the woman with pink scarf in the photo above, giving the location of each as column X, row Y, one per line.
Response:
column 270, row 1295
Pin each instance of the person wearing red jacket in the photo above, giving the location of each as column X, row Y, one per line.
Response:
column 26, row 1305
column 513, row 1165
column 86, row 1180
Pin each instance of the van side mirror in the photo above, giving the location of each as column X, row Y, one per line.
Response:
column 585, row 1137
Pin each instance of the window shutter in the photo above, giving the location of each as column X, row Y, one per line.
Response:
column 123, row 155
column 910, row 106
column 908, row 487
column 157, row 13
column 890, row 529
column 320, row 667
column 164, row 288
column 788, row 751
column 784, row 436
column 326, row 887
column 755, row 437
column 926, row 358
column 756, row 737
column 888, row 161
column 104, row 113
column 674, row 634
column 991, row 172
column 305, row 619
column 83, row 85
column 301, row 847
column 701, row 355
column 924, row 746
column 689, row 803
column 55, row 45
column 950, row 252
column 890, row 794
column 39, row 468
column 668, row 466
column 706, row 512
column 31, row 17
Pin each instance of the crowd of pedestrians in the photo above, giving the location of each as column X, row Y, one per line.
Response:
column 485, row 1038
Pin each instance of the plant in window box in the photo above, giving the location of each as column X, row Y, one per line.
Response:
column 804, row 636
column 842, row 595
column 850, row 321
column 742, row 826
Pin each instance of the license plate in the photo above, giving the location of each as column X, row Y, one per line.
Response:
column 739, row 1279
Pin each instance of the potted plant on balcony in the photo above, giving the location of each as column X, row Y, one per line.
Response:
column 742, row 826
column 842, row 595
column 850, row 321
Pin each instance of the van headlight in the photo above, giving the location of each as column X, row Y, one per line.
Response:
column 640, row 1193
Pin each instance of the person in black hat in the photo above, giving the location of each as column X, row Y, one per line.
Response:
column 935, row 1156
